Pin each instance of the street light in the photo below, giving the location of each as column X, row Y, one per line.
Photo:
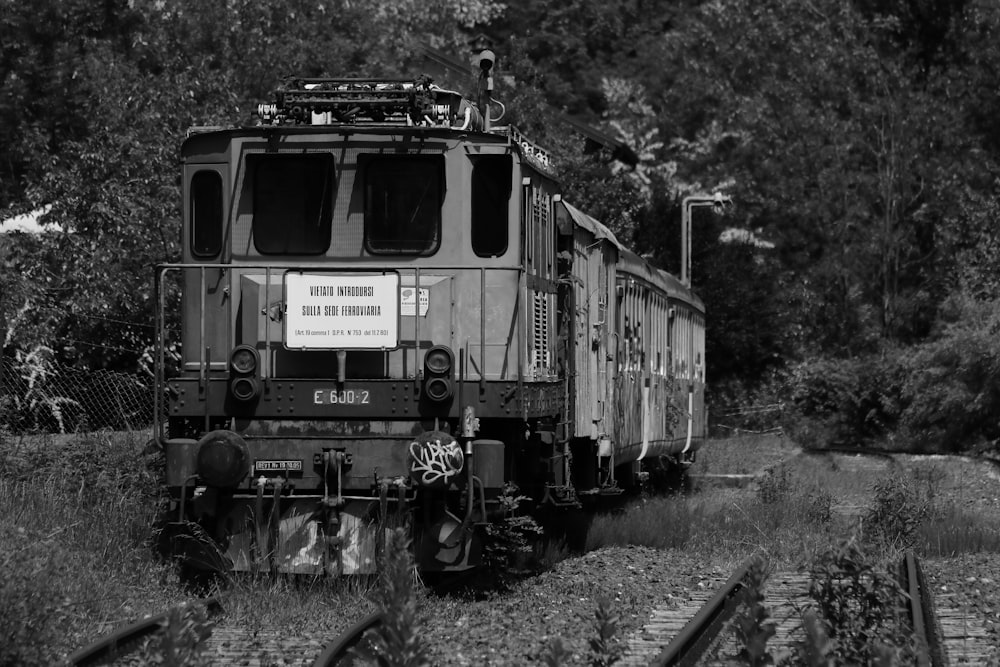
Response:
column 718, row 202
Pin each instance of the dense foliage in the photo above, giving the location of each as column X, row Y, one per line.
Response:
column 858, row 140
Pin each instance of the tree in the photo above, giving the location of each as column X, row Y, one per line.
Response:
column 96, row 101
column 839, row 147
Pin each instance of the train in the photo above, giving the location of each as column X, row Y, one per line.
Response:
column 385, row 313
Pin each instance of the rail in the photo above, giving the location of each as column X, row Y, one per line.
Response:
column 129, row 639
column 919, row 614
column 695, row 638
column 695, row 643
column 339, row 652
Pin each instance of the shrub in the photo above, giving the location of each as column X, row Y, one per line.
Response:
column 896, row 514
column 510, row 543
column 952, row 392
column 852, row 597
column 837, row 402
column 940, row 395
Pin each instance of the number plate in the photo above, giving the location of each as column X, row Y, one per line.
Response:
column 341, row 397
column 277, row 466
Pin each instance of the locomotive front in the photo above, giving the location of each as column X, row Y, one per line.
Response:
column 355, row 343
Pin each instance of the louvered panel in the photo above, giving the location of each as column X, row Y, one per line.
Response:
column 540, row 360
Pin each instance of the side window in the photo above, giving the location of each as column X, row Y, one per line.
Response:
column 491, row 188
column 292, row 203
column 403, row 196
column 205, row 213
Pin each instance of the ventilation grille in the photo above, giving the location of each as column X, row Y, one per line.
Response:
column 540, row 354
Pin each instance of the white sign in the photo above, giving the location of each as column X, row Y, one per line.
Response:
column 408, row 301
column 326, row 311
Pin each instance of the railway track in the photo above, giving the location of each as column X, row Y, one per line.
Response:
column 700, row 630
column 695, row 629
column 224, row 643
column 960, row 627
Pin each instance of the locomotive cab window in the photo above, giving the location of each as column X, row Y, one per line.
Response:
column 491, row 187
column 292, row 203
column 403, row 196
column 206, row 213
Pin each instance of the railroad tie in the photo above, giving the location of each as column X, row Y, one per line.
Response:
column 665, row 621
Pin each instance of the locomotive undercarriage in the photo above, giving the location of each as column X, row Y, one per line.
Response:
column 319, row 495
column 333, row 515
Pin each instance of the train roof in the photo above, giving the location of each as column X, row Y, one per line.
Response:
column 307, row 105
column 632, row 264
column 584, row 221
column 628, row 262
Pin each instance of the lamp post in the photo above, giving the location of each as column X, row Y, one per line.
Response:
column 718, row 201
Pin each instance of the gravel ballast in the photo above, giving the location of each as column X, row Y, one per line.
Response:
column 518, row 627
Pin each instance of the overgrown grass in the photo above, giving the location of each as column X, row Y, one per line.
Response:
column 953, row 530
column 801, row 505
column 78, row 517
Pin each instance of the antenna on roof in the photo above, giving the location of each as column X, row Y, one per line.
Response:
column 486, row 58
column 480, row 45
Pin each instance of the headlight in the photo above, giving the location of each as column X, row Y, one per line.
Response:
column 243, row 382
column 438, row 363
column 244, row 360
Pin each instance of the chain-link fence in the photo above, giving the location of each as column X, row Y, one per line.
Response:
column 40, row 396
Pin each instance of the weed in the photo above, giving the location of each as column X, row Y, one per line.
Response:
column 818, row 507
column 510, row 542
column 603, row 647
column 931, row 479
column 33, row 402
column 550, row 552
column 775, row 485
column 181, row 640
column 556, row 653
column 817, row 649
column 753, row 627
column 397, row 642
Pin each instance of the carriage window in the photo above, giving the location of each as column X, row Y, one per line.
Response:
column 206, row 213
column 491, row 176
column 292, row 203
column 403, row 196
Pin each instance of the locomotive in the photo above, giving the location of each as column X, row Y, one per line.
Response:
column 387, row 312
